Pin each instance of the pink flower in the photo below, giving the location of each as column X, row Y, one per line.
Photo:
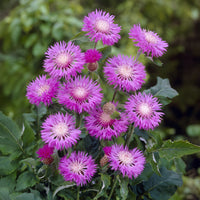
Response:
column 144, row 110
column 148, row 41
column 100, row 124
column 129, row 162
column 80, row 94
column 125, row 72
column 92, row 55
column 100, row 26
column 64, row 60
column 59, row 131
column 42, row 89
column 45, row 153
column 79, row 168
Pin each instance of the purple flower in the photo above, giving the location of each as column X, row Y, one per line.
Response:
column 45, row 153
column 92, row 55
column 148, row 41
column 80, row 94
column 59, row 131
column 144, row 110
column 64, row 60
column 125, row 72
column 100, row 124
column 100, row 26
column 129, row 162
column 79, row 168
column 42, row 89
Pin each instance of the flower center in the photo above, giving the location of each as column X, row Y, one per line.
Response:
column 42, row 89
column 77, row 167
column 102, row 26
column 144, row 109
column 149, row 37
column 63, row 60
column 105, row 118
column 61, row 129
column 125, row 71
column 80, row 93
column 125, row 157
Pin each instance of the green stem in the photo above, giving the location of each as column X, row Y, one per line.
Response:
column 78, row 191
column 113, row 187
column 95, row 45
column 114, row 95
column 78, row 120
column 138, row 54
column 129, row 134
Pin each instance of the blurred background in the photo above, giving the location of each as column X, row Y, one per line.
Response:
column 28, row 27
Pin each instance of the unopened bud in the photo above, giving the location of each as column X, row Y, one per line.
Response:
column 47, row 161
column 109, row 108
column 92, row 66
column 104, row 160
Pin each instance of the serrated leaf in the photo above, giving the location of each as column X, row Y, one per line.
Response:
column 193, row 130
column 176, row 149
column 26, row 180
column 162, row 89
column 124, row 188
column 153, row 162
column 7, row 165
column 10, row 142
column 164, row 186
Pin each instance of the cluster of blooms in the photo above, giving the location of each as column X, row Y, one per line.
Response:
column 79, row 93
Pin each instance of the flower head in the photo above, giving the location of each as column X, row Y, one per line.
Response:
column 100, row 26
column 59, row 131
column 144, row 110
column 92, row 55
column 129, row 162
column 45, row 153
column 125, row 72
column 148, row 41
column 42, row 89
column 80, row 94
column 64, row 60
column 79, row 168
column 100, row 124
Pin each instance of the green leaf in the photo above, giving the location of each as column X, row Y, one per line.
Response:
column 10, row 134
column 156, row 61
column 180, row 165
column 67, row 185
column 164, row 186
column 105, row 51
column 176, row 149
column 105, row 184
column 162, row 89
column 24, row 196
column 28, row 135
column 9, row 181
column 153, row 162
column 26, row 180
column 193, row 130
column 78, row 36
column 4, row 193
column 124, row 188
column 7, row 165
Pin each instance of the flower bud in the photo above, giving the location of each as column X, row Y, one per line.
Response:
column 109, row 108
column 92, row 66
column 104, row 160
